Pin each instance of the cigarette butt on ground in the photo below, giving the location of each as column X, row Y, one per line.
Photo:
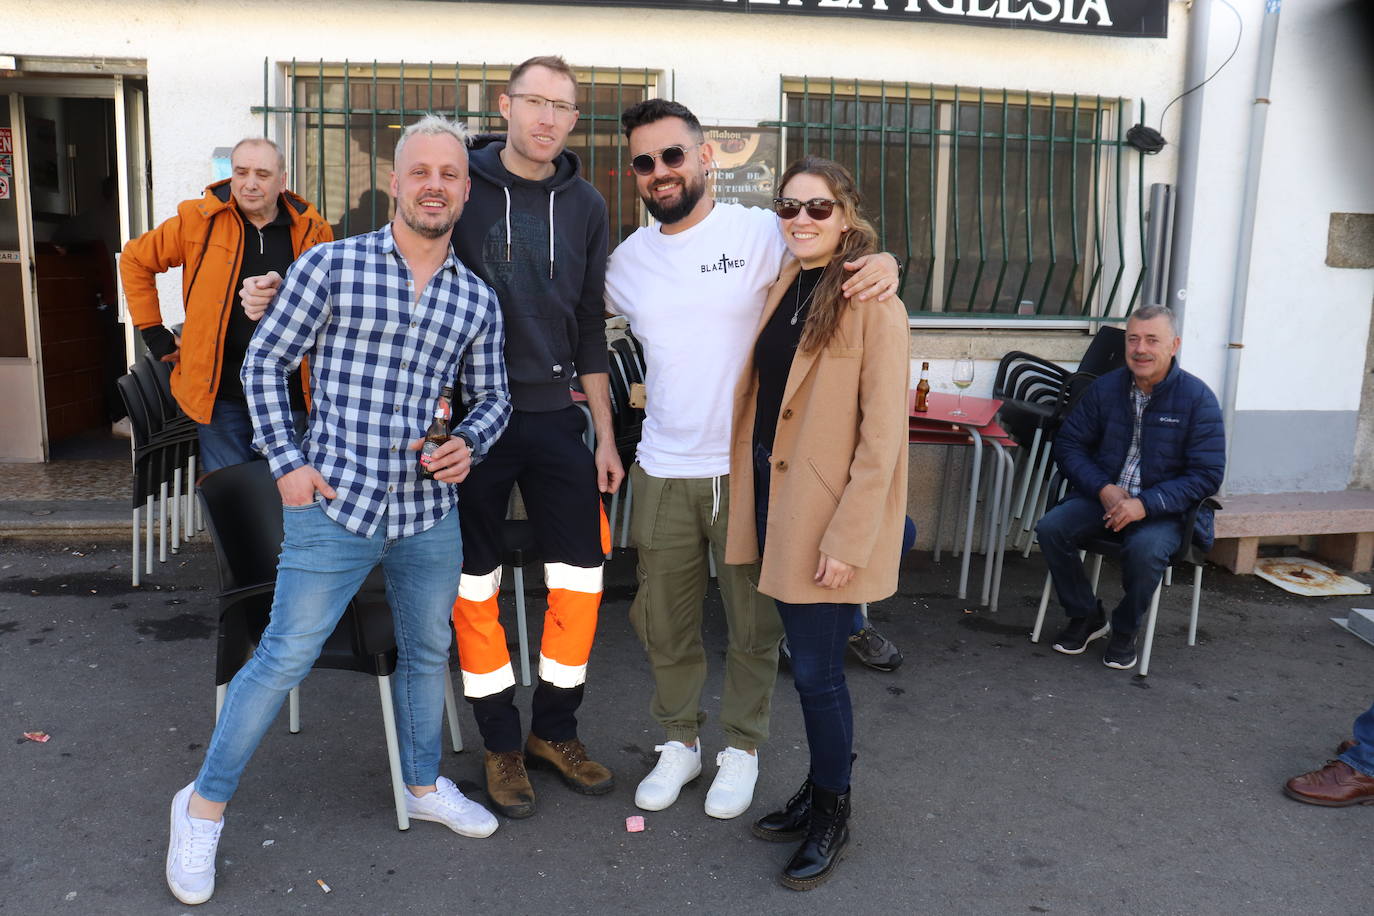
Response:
column 634, row 823
column 324, row 887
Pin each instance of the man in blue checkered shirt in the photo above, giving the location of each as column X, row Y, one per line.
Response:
column 386, row 319
column 1143, row 445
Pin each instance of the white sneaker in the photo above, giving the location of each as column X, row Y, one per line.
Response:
column 191, row 852
column 677, row 765
column 732, row 791
column 447, row 806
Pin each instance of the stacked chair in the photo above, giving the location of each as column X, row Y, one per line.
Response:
column 627, row 369
column 165, row 447
column 1036, row 394
column 244, row 516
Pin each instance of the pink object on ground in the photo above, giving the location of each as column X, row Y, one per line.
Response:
column 634, row 823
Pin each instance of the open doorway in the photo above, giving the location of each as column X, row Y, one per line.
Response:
column 73, row 168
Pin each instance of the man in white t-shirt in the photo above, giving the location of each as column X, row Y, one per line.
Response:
column 693, row 287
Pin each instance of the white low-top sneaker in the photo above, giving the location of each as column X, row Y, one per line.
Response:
column 450, row 807
column 677, row 765
column 732, row 791
column 191, row 852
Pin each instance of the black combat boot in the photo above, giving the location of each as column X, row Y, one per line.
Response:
column 825, row 843
column 789, row 824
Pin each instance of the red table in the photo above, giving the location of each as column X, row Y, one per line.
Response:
column 937, row 425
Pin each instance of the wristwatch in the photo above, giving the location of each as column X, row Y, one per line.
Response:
column 472, row 446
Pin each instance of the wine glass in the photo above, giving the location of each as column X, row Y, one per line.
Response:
column 962, row 378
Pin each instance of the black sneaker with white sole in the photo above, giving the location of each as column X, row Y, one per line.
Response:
column 1120, row 651
column 1074, row 638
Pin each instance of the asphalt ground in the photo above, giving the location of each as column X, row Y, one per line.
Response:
column 994, row 776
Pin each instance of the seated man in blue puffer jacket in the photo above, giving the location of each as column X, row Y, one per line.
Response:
column 1142, row 446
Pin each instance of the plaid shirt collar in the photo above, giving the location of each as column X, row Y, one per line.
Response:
column 1129, row 480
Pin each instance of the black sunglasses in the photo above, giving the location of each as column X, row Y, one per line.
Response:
column 672, row 156
column 817, row 208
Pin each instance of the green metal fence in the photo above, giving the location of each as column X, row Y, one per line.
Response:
column 341, row 122
column 1000, row 204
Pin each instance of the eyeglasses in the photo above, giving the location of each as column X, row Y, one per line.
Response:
column 672, row 156
column 817, row 208
column 534, row 102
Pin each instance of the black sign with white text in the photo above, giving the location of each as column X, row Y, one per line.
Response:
column 1120, row 18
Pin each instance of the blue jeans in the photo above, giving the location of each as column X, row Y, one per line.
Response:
column 1361, row 756
column 322, row 566
column 1146, row 548
column 228, row 437
column 817, row 635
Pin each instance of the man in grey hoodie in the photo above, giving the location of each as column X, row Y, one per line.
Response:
column 536, row 232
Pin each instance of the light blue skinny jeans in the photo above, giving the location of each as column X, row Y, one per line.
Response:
column 322, row 566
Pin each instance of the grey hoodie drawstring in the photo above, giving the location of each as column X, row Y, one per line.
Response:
column 550, row 233
column 506, row 191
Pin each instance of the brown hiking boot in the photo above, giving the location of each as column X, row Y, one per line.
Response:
column 508, row 785
column 570, row 759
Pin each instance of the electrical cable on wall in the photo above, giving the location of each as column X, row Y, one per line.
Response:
column 1150, row 141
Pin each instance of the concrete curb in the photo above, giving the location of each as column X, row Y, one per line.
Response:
column 98, row 519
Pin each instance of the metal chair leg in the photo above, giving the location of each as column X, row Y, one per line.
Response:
column 134, row 579
column 1003, row 523
column 148, row 536
column 393, row 753
column 1150, row 632
column 629, row 489
column 520, row 625
column 176, row 509
column 162, row 522
column 188, row 522
column 1168, row 576
column 293, row 706
column 220, row 691
column 451, row 709
column 1097, row 571
column 1029, row 460
column 1197, row 598
column 1044, row 604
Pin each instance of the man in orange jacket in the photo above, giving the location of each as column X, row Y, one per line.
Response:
column 244, row 226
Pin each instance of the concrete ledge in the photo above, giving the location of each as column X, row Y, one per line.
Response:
column 1343, row 520
column 98, row 519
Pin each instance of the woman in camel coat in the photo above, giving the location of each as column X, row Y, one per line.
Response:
column 818, row 480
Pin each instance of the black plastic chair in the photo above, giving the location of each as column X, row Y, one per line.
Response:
column 165, row 448
column 1036, row 395
column 1189, row 553
column 244, row 516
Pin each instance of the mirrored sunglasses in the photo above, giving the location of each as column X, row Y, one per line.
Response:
column 672, row 156
column 818, row 208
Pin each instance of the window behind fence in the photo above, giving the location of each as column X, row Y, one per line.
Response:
column 343, row 121
column 999, row 205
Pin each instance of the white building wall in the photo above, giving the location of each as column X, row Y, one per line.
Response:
column 1308, row 324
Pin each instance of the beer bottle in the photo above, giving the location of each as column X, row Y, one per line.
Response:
column 923, row 389
column 437, row 434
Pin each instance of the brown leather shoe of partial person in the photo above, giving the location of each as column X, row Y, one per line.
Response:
column 1345, row 745
column 1335, row 785
column 569, row 758
column 508, row 785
